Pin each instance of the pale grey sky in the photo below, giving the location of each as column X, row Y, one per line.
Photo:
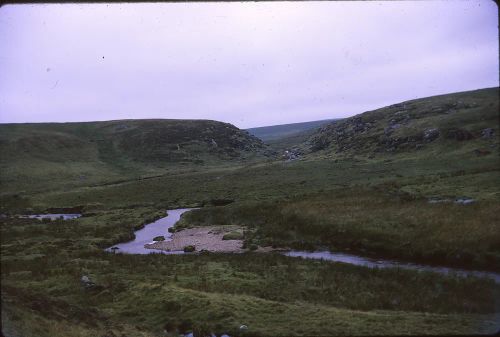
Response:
column 250, row 64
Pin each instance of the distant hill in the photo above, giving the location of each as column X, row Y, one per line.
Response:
column 95, row 152
column 274, row 132
column 465, row 122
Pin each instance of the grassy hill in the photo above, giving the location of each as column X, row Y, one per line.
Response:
column 466, row 123
column 274, row 132
column 290, row 142
column 78, row 154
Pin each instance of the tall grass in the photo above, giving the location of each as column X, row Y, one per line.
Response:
column 370, row 221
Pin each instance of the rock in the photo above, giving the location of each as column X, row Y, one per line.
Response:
column 431, row 134
column 487, row 133
column 159, row 238
column 464, row 201
column 243, row 327
column 87, row 282
column 437, row 200
column 121, row 127
column 292, row 154
column 459, row 134
column 189, row 249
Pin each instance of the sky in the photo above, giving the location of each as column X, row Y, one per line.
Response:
column 250, row 64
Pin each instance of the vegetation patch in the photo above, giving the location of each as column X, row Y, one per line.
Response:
column 235, row 235
column 189, row 249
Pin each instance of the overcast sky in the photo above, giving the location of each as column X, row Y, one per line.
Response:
column 250, row 64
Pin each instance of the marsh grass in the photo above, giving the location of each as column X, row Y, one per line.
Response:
column 42, row 264
column 377, row 221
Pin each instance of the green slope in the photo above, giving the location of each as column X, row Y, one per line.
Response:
column 275, row 132
column 39, row 156
column 465, row 122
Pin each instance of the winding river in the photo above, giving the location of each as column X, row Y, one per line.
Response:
column 161, row 226
column 146, row 234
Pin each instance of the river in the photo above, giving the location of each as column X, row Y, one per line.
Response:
column 146, row 234
column 161, row 226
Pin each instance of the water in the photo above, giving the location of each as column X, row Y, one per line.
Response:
column 146, row 234
column 383, row 263
column 161, row 226
column 51, row 216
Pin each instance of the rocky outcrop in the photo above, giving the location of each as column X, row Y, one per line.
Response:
column 431, row 135
column 339, row 133
column 187, row 140
column 410, row 126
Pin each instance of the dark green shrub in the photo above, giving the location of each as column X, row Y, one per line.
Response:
column 189, row 249
column 233, row 236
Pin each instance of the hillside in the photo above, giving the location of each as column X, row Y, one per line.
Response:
column 96, row 152
column 350, row 191
column 275, row 132
column 290, row 142
column 465, row 122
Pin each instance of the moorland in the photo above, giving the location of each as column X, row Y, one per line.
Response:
column 416, row 181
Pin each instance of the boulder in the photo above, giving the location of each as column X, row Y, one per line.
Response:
column 431, row 134
column 487, row 133
column 159, row 238
column 87, row 282
column 464, row 201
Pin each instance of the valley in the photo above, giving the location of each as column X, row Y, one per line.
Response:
column 415, row 182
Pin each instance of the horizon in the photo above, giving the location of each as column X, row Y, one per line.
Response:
column 248, row 64
column 253, row 127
